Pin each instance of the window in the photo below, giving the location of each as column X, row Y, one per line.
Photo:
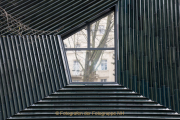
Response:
column 76, row 67
column 92, row 51
column 103, row 80
column 101, row 29
column 104, row 65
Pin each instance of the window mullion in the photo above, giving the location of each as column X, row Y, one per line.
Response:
column 88, row 36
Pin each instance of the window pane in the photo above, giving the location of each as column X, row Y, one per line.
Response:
column 103, row 64
column 76, row 68
column 77, row 40
column 91, row 66
column 103, row 80
column 102, row 32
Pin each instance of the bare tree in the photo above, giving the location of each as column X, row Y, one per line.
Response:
column 92, row 58
column 14, row 26
column 11, row 25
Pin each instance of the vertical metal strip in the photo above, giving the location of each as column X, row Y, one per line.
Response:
column 41, row 64
column 64, row 60
column 146, row 77
column 116, row 40
column 157, row 38
column 137, row 47
column 165, row 43
column 130, row 43
column 168, row 49
column 141, row 57
column 28, row 81
column 16, row 85
column 18, row 69
column 59, row 75
column 126, row 80
column 162, row 61
column 1, row 116
column 18, row 46
column 177, row 55
column 55, row 80
column 37, row 66
column 58, row 49
column 10, row 77
column 45, row 65
column 3, row 90
column 6, row 81
column 121, row 39
column 134, row 75
column 56, row 42
column 47, row 62
column 88, row 35
column 29, row 69
column 154, row 53
column 149, row 49
column 32, row 68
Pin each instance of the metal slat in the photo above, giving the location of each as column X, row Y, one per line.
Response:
column 16, row 89
column 42, row 15
column 37, row 14
column 55, row 80
column 24, row 13
column 60, row 17
column 26, row 92
column 155, row 48
column 67, row 14
column 21, row 84
column 37, row 66
column 27, row 74
column 34, row 72
column 2, row 92
column 4, row 23
column 177, row 55
column 42, row 65
column 18, row 70
column 8, row 94
column 1, row 116
column 59, row 75
column 48, row 62
column 73, row 17
column 58, row 12
column 59, row 60
column 80, row 19
column 30, row 71
column 9, row 75
column 63, row 61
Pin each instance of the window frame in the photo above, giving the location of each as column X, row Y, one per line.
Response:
column 116, row 38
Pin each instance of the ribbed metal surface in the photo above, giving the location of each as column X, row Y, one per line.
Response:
column 49, row 17
column 31, row 68
column 149, row 49
column 93, row 102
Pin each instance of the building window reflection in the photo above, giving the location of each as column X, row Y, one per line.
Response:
column 76, row 67
column 104, row 65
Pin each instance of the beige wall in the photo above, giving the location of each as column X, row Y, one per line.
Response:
column 81, row 39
